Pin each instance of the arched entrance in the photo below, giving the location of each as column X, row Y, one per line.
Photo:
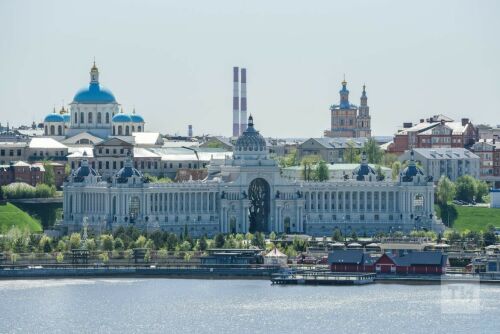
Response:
column 134, row 208
column 260, row 198
column 286, row 224
column 232, row 225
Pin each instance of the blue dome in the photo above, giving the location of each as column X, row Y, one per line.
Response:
column 94, row 94
column 67, row 118
column 136, row 118
column 53, row 118
column 83, row 171
column 121, row 118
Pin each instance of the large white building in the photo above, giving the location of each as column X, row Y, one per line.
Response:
column 93, row 114
column 246, row 192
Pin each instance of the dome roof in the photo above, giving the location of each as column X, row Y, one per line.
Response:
column 53, row 118
column 94, row 94
column 412, row 169
column 137, row 118
column 127, row 171
column 83, row 171
column 67, row 118
column 363, row 169
column 251, row 139
column 121, row 118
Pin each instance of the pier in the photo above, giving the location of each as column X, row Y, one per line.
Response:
column 322, row 278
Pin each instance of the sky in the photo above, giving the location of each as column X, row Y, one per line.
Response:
column 172, row 60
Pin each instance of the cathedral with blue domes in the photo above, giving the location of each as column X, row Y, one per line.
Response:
column 94, row 110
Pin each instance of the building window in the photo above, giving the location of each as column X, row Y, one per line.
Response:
column 100, row 164
column 114, row 164
column 107, row 118
column 90, row 118
column 18, row 153
column 107, row 164
column 82, row 118
column 99, row 120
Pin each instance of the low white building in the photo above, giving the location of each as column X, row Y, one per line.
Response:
column 495, row 198
column 335, row 171
column 451, row 162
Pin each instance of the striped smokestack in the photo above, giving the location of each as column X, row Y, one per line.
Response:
column 243, row 115
column 236, row 103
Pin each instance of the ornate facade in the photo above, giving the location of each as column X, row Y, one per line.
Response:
column 247, row 193
column 349, row 120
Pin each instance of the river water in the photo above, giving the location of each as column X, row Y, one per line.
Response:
column 243, row 306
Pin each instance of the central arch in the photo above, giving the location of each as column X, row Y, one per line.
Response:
column 259, row 194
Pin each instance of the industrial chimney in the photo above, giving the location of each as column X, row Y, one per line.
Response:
column 243, row 115
column 236, row 103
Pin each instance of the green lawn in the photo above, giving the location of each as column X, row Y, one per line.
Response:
column 11, row 215
column 476, row 218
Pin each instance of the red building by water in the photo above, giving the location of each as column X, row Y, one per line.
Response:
column 414, row 263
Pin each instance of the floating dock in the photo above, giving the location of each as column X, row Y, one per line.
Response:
column 322, row 278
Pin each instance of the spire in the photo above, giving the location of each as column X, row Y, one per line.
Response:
column 94, row 74
column 250, row 121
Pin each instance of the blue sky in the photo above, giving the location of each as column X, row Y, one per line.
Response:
column 173, row 60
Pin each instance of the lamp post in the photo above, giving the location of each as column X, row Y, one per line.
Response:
column 345, row 229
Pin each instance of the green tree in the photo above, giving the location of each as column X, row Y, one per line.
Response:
column 388, row 159
column 185, row 246
column 288, row 160
column 307, row 164
column 140, row 242
column 202, row 243
column 445, row 190
column 60, row 257
column 489, row 236
column 465, row 188
column 373, row 152
column 482, row 190
column 219, row 240
column 107, row 243
column 396, row 168
column 172, row 241
column 380, row 173
column 74, row 241
column 119, row 244
column 321, row 172
column 49, row 176
column 337, row 235
column 351, row 153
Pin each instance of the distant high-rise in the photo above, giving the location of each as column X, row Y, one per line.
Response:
column 239, row 101
column 243, row 105
column 190, row 130
column 236, row 102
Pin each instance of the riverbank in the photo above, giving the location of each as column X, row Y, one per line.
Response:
column 195, row 272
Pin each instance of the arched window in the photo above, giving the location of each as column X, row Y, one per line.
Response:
column 107, row 118
column 90, row 118
column 99, row 121
column 114, row 132
column 46, row 130
column 59, row 130
column 127, row 132
column 76, row 118
column 119, row 130
column 139, row 128
column 82, row 118
column 133, row 128
column 52, row 130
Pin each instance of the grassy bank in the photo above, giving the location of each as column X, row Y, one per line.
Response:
column 10, row 215
column 475, row 218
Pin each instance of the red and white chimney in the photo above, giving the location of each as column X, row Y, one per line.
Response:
column 243, row 105
column 236, row 102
